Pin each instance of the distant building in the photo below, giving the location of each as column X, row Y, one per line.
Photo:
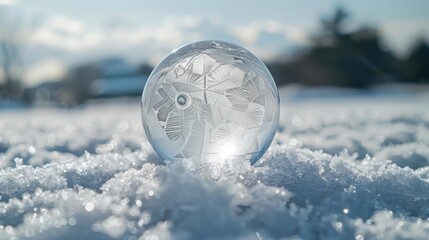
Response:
column 111, row 77
column 117, row 78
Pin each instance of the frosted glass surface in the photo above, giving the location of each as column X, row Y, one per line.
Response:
column 210, row 101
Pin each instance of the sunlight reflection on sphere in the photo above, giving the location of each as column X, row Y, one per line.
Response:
column 210, row 101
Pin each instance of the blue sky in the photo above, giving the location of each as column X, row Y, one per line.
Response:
column 64, row 33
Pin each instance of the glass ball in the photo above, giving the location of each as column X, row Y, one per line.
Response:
column 210, row 101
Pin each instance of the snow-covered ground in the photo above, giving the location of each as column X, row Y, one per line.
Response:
column 344, row 165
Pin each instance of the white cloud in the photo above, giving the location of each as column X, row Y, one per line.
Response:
column 65, row 33
column 173, row 31
column 71, row 43
column 249, row 34
column 268, row 39
column 45, row 70
column 71, row 35
column 187, row 21
column 7, row 2
column 66, row 24
column 152, row 42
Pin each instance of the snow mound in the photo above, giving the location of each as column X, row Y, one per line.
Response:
column 333, row 172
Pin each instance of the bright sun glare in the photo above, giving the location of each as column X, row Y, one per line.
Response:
column 227, row 150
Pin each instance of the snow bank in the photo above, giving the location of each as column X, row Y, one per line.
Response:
column 336, row 170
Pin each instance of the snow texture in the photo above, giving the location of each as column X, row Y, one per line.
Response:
column 339, row 168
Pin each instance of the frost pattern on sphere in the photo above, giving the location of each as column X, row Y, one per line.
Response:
column 210, row 101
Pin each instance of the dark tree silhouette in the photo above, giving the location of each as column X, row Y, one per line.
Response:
column 332, row 29
column 340, row 57
column 417, row 63
column 357, row 57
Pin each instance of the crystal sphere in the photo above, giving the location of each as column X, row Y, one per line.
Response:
column 210, row 101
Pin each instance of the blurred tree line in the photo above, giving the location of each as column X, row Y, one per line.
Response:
column 355, row 58
column 336, row 56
